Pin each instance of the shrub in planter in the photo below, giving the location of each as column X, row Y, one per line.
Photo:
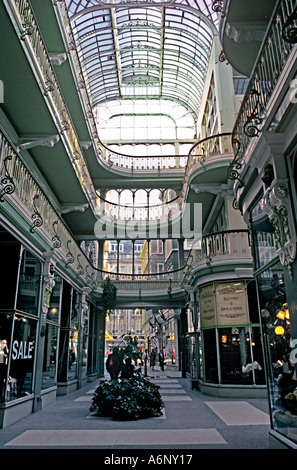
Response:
column 126, row 408
column 127, row 399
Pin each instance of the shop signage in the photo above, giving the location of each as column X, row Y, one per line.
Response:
column 231, row 304
column 22, row 350
column 207, row 307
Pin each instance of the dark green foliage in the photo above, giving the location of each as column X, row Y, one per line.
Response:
column 109, row 295
column 130, row 349
column 127, row 399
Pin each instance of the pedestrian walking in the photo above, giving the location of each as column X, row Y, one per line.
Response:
column 153, row 359
column 161, row 359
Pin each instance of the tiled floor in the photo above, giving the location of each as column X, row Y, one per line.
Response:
column 189, row 420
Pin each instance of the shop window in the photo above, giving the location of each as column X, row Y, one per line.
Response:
column 238, row 365
column 5, row 343
column 282, row 380
column 50, row 356
column 262, row 234
column 210, row 356
column 9, row 255
column 29, row 284
column 49, row 370
column 53, row 313
column 85, row 343
column 68, row 344
column 21, row 358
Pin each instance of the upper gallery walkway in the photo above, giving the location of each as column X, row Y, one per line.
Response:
column 22, row 194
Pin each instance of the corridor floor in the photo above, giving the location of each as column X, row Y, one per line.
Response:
column 190, row 420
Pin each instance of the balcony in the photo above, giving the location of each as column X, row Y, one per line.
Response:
column 242, row 30
column 260, row 109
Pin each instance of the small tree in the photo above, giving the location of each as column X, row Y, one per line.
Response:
column 109, row 295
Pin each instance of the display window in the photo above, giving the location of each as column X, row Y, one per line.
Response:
column 85, row 343
column 262, row 235
column 17, row 355
column 69, row 335
column 29, row 284
column 210, row 356
column 50, row 356
column 282, row 380
column 51, row 341
column 241, row 356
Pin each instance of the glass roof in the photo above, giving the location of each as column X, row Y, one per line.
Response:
column 143, row 50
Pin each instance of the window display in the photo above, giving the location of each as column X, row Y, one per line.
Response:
column 21, row 358
column 50, row 356
column 282, row 380
column 241, row 360
column 230, row 324
column 29, row 284
column 262, row 233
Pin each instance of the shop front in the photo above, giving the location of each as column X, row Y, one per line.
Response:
column 230, row 359
column 277, row 300
column 46, row 336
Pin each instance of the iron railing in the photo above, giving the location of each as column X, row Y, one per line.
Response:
column 281, row 35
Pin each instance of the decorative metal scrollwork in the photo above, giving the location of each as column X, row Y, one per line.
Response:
column 235, row 205
column 7, row 181
column 253, row 120
column 76, row 155
column 69, row 255
column 217, row 6
column 65, row 124
column 80, row 270
column 235, row 165
column 36, row 216
column 27, row 25
column 50, row 86
column 222, row 57
column 56, row 239
column 275, row 204
column 289, row 29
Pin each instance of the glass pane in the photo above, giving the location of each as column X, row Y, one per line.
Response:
column 29, row 284
column 22, row 353
column 277, row 336
column 5, row 336
column 54, row 305
column 238, row 366
column 72, row 358
column 262, row 233
column 210, row 356
column 50, row 357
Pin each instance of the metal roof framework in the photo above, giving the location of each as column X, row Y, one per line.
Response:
column 148, row 50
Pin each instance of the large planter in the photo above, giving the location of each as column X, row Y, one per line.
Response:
column 127, row 399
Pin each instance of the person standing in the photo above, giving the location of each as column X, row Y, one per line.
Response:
column 153, row 359
column 114, row 364
column 161, row 359
column 145, row 360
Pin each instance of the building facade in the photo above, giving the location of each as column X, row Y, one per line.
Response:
column 157, row 150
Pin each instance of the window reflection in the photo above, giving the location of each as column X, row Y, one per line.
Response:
column 29, row 284
column 263, row 240
column 20, row 376
column 50, row 356
column 282, row 380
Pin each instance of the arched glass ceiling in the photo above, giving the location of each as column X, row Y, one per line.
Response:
column 143, row 50
column 144, row 120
